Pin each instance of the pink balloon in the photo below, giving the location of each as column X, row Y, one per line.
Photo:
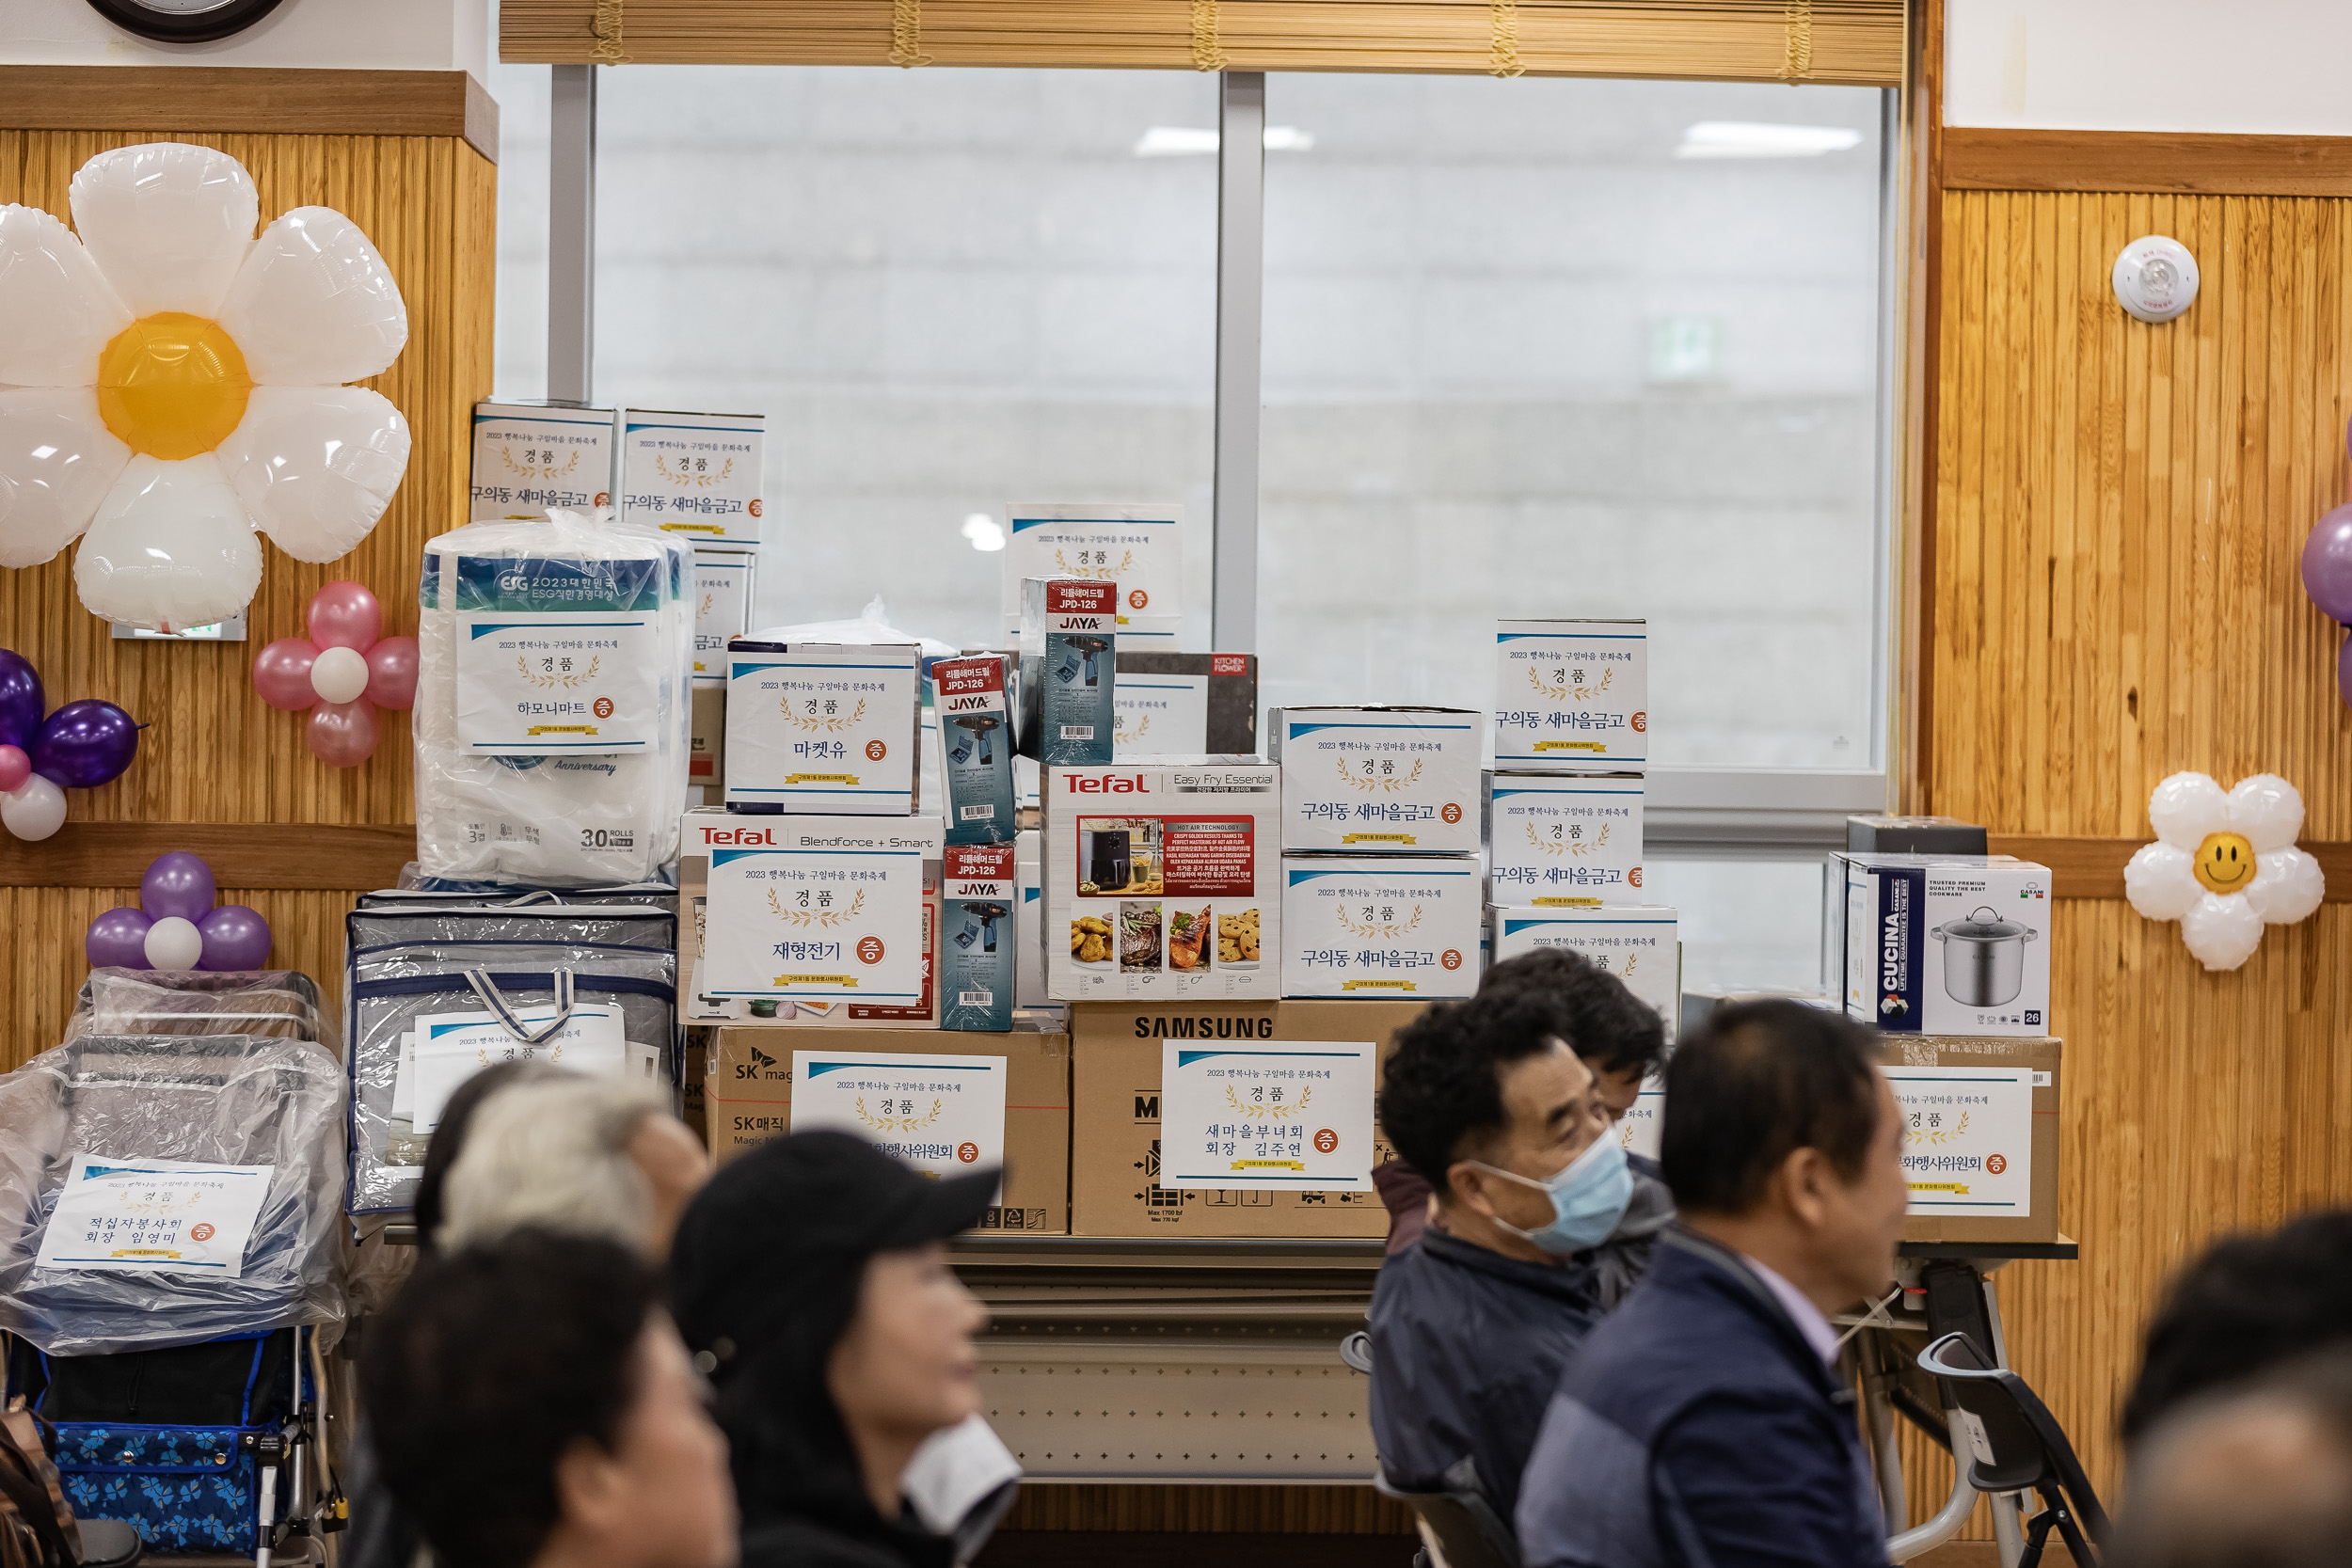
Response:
column 392, row 673
column 281, row 674
column 345, row 615
column 15, row 766
column 343, row 735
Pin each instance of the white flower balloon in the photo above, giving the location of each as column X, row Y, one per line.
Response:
column 170, row 384
column 2224, row 865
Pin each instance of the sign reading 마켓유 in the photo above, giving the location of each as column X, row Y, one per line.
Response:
column 1270, row 1117
column 1968, row 1138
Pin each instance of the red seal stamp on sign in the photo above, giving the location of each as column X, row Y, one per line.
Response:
column 869, row 950
column 1995, row 1165
column 1451, row 812
column 753, row 509
column 1451, row 958
column 1138, row 598
column 200, row 1233
column 1326, row 1140
column 876, row 751
column 968, row 1152
column 604, row 707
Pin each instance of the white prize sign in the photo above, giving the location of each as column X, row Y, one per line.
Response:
column 154, row 1216
column 1968, row 1138
column 453, row 1047
column 1282, row 1116
column 945, row 1115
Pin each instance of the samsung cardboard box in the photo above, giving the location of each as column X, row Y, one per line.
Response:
column 972, row 710
column 707, row 753
column 1980, row 1135
column 824, row 727
column 1069, row 669
column 1571, row 694
column 722, row 608
column 1162, row 880
column 1379, row 779
column 979, row 937
column 1183, row 705
column 1943, row 946
column 1118, row 1116
column 1384, row 926
column 1564, row 838
column 943, row 1102
column 692, row 474
column 530, row 455
column 1140, row 547
column 1638, row 944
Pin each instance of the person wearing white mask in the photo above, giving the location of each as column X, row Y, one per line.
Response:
column 1472, row 1323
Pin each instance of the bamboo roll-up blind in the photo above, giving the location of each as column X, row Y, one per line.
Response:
column 1852, row 41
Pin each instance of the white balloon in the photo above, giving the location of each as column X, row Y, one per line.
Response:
column 339, row 675
column 2268, row 810
column 2287, row 886
column 34, row 809
column 316, row 465
column 58, row 461
column 315, row 304
column 167, row 223
column 174, row 943
column 2221, row 931
column 170, row 547
column 2186, row 807
column 56, row 309
column 2161, row 881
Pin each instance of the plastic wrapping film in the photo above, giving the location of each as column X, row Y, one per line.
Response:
column 235, row 1100
column 273, row 1001
column 540, row 804
column 411, row 959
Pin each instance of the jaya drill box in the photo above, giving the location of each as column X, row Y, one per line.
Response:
column 1943, row 944
column 1564, row 838
column 1571, row 694
column 722, row 608
column 1069, row 669
column 977, row 936
column 1184, row 704
column 1378, row 780
column 529, row 456
column 1639, row 943
column 1162, row 879
column 943, row 1103
column 1141, row 548
column 824, row 727
column 1380, row 926
column 696, row 475
column 973, row 715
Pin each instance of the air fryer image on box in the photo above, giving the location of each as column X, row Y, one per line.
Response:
column 1119, row 854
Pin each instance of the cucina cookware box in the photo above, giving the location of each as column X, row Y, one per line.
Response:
column 1956, row 944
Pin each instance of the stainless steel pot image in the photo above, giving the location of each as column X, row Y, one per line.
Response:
column 1984, row 958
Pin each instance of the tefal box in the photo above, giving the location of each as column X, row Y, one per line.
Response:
column 1945, row 945
column 1639, row 943
column 529, row 456
column 1140, row 547
column 1571, row 694
column 697, row 475
column 1564, row 838
column 1378, row 780
column 1120, row 1115
column 942, row 1102
column 971, row 705
column 809, row 919
column 1162, row 879
column 1980, row 1135
column 722, row 608
column 824, row 727
column 1183, row 705
column 978, row 939
column 1069, row 669
column 1387, row 926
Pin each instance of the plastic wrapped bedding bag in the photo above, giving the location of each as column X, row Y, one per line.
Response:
column 213, row 1100
column 553, row 657
column 275, row 1002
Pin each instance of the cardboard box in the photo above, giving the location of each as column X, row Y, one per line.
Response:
column 824, row 727
column 1945, row 945
column 1564, row 838
column 1963, row 1099
column 722, row 608
column 1135, row 856
column 1378, row 780
column 1365, row 925
column 530, row 455
column 972, row 709
column 1139, row 547
column 1571, row 694
column 1069, row 669
column 707, row 756
column 748, row 1100
column 979, row 938
column 1639, row 943
column 692, row 474
column 1115, row 1119
column 1029, row 923
column 1184, row 704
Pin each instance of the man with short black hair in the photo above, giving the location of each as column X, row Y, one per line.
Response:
column 1704, row 1420
column 1472, row 1322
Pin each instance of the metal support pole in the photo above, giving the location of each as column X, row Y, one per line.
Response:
column 1240, row 310
column 572, row 233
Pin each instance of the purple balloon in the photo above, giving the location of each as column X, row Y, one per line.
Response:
column 235, row 937
column 86, row 744
column 118, row 940
column 2328, row 564
column 178, row 884
column 21, row 702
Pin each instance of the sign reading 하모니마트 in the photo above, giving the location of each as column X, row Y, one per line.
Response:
column 1279, row 1116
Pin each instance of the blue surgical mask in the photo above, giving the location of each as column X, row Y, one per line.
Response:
column 1588, row 1198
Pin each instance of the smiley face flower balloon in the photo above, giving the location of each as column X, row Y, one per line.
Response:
column 170, row 384
column 2223, row 865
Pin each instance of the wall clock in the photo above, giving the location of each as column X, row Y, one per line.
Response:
column 183, row 20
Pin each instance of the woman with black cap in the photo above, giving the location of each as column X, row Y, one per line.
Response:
column 811, row 1279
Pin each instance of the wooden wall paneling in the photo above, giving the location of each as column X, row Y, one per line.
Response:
column 2161, row 163
column 159, row 97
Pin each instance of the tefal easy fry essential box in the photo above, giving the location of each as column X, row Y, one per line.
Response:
column 824, row 727
column 977, row 936
column 1380, row 926
column 1162, row 879
column 1639, row 943
column 1139, row 547
column 692, row 474
column 1564, row 838
column 1069, row 669
column 1571, row 694
column 529, row 456
column 1184, row 704
column 722, row 608
column 971, row 706
column 1378, row 780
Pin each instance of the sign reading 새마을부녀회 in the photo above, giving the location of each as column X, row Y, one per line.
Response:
column 1276, row 1116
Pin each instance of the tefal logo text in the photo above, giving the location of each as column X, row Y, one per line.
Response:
column 1105, row 784
column 739, row 835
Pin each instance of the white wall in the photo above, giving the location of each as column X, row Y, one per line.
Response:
column 2262, row 66
column 384, row 35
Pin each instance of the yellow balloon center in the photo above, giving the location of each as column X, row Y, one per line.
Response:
column 2225, row 862
column 172, row 385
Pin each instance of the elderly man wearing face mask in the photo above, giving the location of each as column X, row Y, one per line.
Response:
column 1472, row 1323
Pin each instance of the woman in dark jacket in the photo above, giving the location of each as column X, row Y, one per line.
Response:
column 811, row 1278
